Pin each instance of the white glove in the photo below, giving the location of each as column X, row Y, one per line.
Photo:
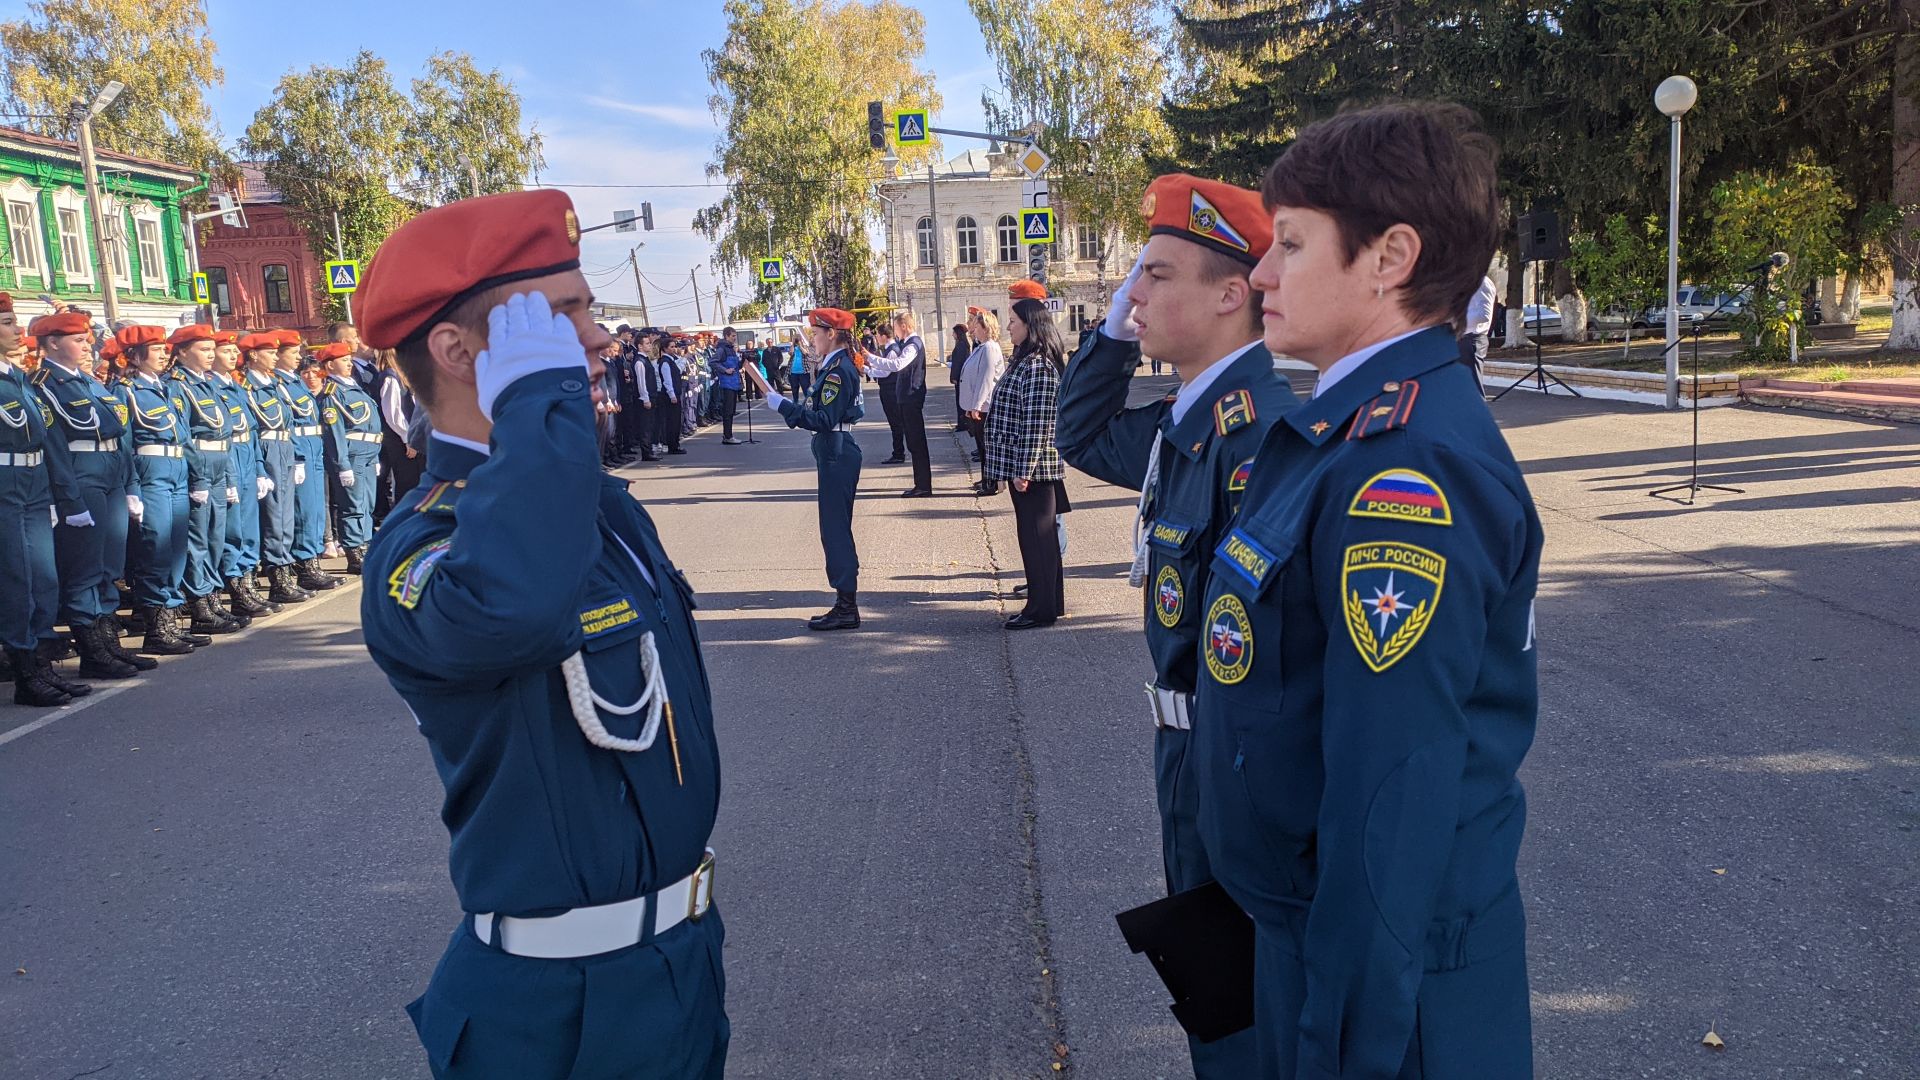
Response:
column 377, row 468
column 346, row 477
column 299, row 473
column 53, row 515
column 199, row 497
column 81, row 520
column 261, row 485
column 524, row 337
column 135, row 507
column 774, row 400
column 1119, row 324
column 233, row 495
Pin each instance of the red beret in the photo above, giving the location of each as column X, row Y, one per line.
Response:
column 226, row 337
column 333, row 352
column 111, row 349
column 453, row 252
column 129, row 336
column 191, row 333
column 1228, row 219
column 288, row 339
column 1026, row 289
column 32, row 342
column 831, row 317
column 6, row 301
column 258, row 340
column 67, row 322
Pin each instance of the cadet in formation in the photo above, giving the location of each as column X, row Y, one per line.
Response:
column 309, row 470
column 272, row 415
column 210, row 481
column 833, row 406
column 352, row 422
column 521, row 603
column 157, row 423
column 29, row 575
column 1187, row 302
column 240, row 550
column 1369, row 686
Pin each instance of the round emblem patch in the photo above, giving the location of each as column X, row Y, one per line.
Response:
column 1169, row 598
column 572, row 223
column 1229, row 640
column 1149, row 203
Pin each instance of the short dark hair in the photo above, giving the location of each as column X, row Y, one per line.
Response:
column 416, row 360
column 334, row 328
column 1423, row 164
column 1217, row 265
column 729, row 331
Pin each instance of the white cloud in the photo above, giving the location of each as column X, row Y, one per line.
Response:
column 671, row 115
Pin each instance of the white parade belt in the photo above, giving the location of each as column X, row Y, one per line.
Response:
column 306, row 429
column 211, row 446
column 241, row 439
column 363, row 436
column 27, row 460
column 273, row 436
column 1171, row 708
column 159, row 450
column 93, row 446
column 589, row 931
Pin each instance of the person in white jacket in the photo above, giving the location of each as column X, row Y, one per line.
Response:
column 978, row 378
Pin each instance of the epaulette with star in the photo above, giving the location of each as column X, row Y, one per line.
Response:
column 1390, row 410
column 1233, row 411
column 442, row 497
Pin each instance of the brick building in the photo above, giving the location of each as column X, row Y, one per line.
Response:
column 263, row 276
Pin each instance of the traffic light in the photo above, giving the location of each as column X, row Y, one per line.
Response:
column 876, row 125
column 646, row 216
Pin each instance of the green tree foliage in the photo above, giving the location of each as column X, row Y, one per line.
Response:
column 1799, row 210
column 1623, row 265
column 66, row 50
column 1092, row 73
column 467, row 134
column 791, row 86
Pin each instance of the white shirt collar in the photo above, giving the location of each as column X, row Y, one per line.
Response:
column 1351, row 362
column 479, row 448
column 1192, row 391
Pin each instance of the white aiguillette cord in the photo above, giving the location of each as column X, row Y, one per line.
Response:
column 581, row 696
column 1137, row 576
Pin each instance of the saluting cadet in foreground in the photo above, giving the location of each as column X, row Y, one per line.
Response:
column 521, row 602
column 1187, row 301
column 1370, row 688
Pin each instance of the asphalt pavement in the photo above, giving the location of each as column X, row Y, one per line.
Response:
column 233, row 866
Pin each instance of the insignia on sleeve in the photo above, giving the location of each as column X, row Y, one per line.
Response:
column 1391, row 591
column 830, row 389
column 1238, row 481
column 409, row 580
column 604, row 618
column 1247, row 557
column 1169, row 535
column 1402, row 495
column 1386, row 412
column 46, row 414
column 1229, row 640
column 1169, row 597
column 330, row 414
column 1234, row 410
column 120, row 411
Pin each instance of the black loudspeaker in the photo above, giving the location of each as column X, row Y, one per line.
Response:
column 1541, row 237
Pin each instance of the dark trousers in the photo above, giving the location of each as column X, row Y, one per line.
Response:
column 29, row 574
column 399, row 473
column 801, row 382
column 1473, row 353
column 836, row 459
column 725, row 402
column 892, row 408
column 979, row 430
column 913, row 426
column 1034, row 511
column 666, row 421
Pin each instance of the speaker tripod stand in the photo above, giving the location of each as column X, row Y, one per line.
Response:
column 1693, row 487
column 1539, row 376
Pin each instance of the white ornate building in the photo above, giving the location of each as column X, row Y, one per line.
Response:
column 977, row 200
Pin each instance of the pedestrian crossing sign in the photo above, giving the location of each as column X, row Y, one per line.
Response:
column 343, row 276
column 910, row 128
column 773, row 271
column 200, row 293
column 1036, row 226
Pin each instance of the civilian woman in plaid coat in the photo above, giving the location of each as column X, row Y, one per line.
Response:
column 1020, row 450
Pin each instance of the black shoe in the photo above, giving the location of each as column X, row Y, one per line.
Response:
column 252, row 589
column 282, row 588
column 110, row 638
column 895, row 460
column 916, row 493
column 309, row 576
column 238, row 599
column 1020, row 591
column 356, row 559
column 845, row 615
column 1023, row 621
column 975, row 455
column 163, row 634
column 986, row 488
column 207, row 619
column 185, row 630
column 649, row 457
column 95, row 661
column 30, row 683
column 675, row 452
column 240, row 619
column 46, row 655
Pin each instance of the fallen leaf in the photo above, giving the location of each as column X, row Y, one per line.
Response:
column 1713, row 1041
column 1058, row 1067
column 1722, row 871
column 19, row 971
column 1060, row 1049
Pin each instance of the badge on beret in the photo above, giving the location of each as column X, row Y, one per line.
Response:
column 1204, row 220
column 1169, row 597
column 573, row 227
column 1150, row 203
column 1402, row 495
column 1229, row 640
column 409, row 580
column 1392, row 591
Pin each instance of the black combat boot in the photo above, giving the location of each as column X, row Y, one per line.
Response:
column 252, row 589
column 240, row 600
column 163, row 634
column 30, row 683
column 844, row 616
column 110, row 638
column 175, row 617
column 95, row 661
column 208, row 619
column 310, row 577
column 356, row 558
column 284, row 590
column 47, row 655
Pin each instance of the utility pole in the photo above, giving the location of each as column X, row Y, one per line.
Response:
column 699, row 316
column 638, row 286
column 83, row 113
column 473, row 180
column 340, row 252
column 719, row 310
column 933, row 212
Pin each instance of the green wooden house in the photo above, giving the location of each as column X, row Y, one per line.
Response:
column 48, row 246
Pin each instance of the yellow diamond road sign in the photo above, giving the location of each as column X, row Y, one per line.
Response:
column 1036, row 226
column 343, row 276
column 1033, row 161
column 200, row 293
column 772, row 271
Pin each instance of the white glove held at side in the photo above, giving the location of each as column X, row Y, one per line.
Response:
column 81, row 520
column 1119, row 322
column 199, row 497
column 135, row 507
column 346, row 477
column 233, row 495
column 261, row 485
column 299, row 474
column 524, row 337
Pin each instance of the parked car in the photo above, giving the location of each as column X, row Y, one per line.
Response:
column 1618, row 321
column 1713, row 307
column 1541, row 322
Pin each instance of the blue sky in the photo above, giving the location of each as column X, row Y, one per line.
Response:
column 618, row 90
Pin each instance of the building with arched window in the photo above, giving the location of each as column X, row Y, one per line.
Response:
column 264, row 276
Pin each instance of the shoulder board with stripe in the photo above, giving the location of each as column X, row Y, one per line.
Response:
column 1234, row 410
column 40, row 376
column 441, row 498
column 1385, row 413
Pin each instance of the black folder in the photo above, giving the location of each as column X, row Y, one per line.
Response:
column 1201, row 944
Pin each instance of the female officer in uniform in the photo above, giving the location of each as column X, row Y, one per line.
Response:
column 160, row 435
column 833, row 405
column 29, row 582
column 1368, row 677
column 352, row 425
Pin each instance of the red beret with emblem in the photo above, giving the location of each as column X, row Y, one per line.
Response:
column 226, row 337
column 289, row 339
column 832, row 318
column 1228, row 219
column 32, row 342
column 110, row 349
column 1026, row 289
column 453, row 252
column 191, row 333
column 333, row 352
column 260, row 340
column 67, row 322
column 130, row 336
column 6, row 301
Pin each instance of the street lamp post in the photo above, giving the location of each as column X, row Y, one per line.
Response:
column 1674, row 97
column 83, row 114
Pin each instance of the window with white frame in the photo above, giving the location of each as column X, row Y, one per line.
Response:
column 1008, row 232
column 1076, row 317
column 1086, row 242
column 147, row 237
column 115, row 225
column 923, row 240
column 966, row 241
column 23, row 229
column 70, row 221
